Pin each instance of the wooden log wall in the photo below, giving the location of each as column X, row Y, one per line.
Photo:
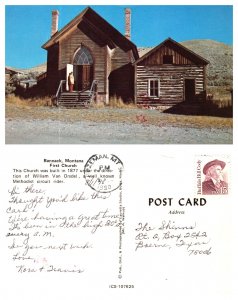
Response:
column 72, row 42
column 171, row 81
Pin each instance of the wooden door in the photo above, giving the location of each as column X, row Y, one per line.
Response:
column 84, row 77
column 189, row 89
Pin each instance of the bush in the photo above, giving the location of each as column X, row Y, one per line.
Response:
column 9, row 89
column 14, row 85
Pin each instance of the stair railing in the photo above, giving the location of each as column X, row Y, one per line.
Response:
column 93, row 90
column 59, row 91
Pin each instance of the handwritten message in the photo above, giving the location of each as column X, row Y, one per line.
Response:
column 37, row 233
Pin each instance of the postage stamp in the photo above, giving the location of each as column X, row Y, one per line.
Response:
column 102, row 172
column 212, row 175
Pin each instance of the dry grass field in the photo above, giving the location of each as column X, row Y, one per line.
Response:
column 117, row 112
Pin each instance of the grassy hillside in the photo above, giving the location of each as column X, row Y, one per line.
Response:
column 37, row 69
column 220, row 56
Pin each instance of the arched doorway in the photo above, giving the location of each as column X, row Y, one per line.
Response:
column 83, row 69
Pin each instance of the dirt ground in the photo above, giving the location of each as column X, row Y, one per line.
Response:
column 51, row 125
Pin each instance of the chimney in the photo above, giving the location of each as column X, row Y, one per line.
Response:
column 55, row 20
column 128, row 23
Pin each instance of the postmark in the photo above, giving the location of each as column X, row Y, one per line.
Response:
column 102, row 172
column 212, row 175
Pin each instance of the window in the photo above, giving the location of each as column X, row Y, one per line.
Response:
column 153, row 87
column 83, row 57
column 167, row 59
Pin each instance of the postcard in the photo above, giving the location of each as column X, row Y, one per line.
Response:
column 118, row 151
column 117, row 221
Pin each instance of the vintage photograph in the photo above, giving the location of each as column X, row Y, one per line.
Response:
column 133, row 74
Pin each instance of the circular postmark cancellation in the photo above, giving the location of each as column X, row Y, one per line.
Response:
column 102, row 172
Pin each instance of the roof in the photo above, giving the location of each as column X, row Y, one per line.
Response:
column 172, row 43
column 98, row 29
column 28, row 80
column 10, row 70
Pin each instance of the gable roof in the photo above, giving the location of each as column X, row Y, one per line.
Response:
column 178, row 47
column 98, row 29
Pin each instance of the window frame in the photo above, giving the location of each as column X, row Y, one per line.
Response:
column 153, row 88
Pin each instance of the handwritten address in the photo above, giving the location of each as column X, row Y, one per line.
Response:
column 170, row 235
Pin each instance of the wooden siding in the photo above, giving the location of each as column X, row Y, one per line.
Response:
column 71, row 43
column 109, row 60
column 171, row 82
column 119, row 58
column 121, row 83
column 108, row 53
column 108, row 64
column 52, row 68
column 121, row 79
column 157, row 57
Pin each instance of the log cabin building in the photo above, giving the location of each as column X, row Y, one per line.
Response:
column 170, row 74
column 95, row 51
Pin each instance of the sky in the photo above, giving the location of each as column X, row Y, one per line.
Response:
column 28, row 27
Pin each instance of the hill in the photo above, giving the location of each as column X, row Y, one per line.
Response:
column 39, row 69
column 220, row 56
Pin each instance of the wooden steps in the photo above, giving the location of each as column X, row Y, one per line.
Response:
column 74, row 99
